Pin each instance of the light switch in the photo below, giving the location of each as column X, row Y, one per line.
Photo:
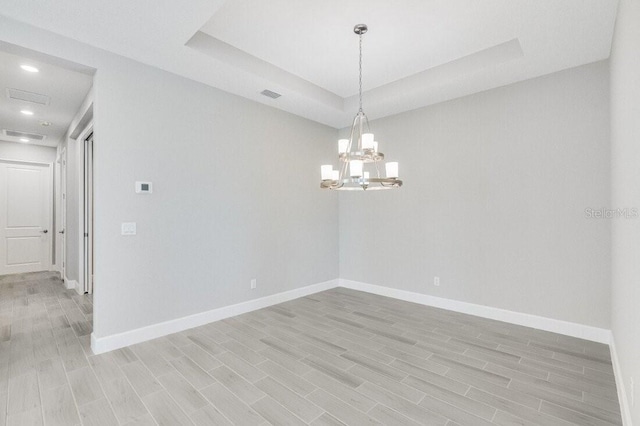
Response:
column 128, row 228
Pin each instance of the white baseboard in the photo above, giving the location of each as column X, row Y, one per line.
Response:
column 625, row 408
column 116, row 341
column 581, row 331
column 109, row 343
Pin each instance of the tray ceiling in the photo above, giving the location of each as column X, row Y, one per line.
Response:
column 416, row 52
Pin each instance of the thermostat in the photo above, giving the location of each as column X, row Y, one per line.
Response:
column 144, row 187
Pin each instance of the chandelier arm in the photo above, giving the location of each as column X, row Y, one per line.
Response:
column 377, row 169
column 353, row 126
column 360, row 115
column 345, row 164
column 343, row 170
column 367, row 121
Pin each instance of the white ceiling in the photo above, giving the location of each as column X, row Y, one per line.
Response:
column 65, row 87
column 416, row 53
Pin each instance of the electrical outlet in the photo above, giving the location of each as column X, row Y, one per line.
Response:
column 436, row 281
column 253, row 283
column 633, row 396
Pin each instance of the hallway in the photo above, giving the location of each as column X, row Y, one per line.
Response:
column 44, row 330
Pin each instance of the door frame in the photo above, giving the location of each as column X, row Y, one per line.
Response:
column 88, row 211
column 85, row 214
column 61, row 213
column 79, row 131
column 49, row 263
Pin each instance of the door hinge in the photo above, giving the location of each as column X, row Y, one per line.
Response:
column 86, row 234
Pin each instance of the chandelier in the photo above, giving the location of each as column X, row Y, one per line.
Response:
column 359, row 153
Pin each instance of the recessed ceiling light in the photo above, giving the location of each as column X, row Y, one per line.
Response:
column 24, row 140
column 29, row 68
column 26, row 112
column 46, row 123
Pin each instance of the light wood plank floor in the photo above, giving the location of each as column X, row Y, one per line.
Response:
column 337, row 357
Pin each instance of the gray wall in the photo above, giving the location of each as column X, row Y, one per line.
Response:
column 236, row 192
column 235, row 196
column 26, row 152
column 625, row 162
column 496, row 187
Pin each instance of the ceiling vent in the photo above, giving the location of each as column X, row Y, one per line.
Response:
column 270, row 94
column 34, row 98
column 17, row 134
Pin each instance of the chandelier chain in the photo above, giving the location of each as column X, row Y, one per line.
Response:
column 360, row 78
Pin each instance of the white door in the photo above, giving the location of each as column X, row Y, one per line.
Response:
column 25, row 200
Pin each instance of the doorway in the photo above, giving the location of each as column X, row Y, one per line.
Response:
column 78, row 216
column 26, row 197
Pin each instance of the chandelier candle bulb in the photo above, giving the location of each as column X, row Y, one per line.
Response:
column 343, row 145
column 392, row 169
column 335, row 175
column 375, row 146
column 367, row 141
column 326, row 171
column 355, row 167
column 366, row 175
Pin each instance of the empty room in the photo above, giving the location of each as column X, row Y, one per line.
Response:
column 239, row 212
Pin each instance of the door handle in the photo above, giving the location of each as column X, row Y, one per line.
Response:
column 45, row 231
column 61, row 232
